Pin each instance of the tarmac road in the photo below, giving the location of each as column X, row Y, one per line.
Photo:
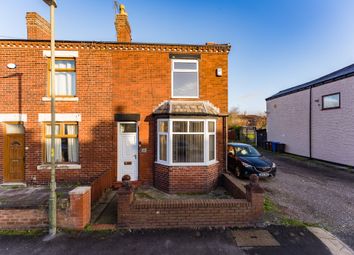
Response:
column 314, row 192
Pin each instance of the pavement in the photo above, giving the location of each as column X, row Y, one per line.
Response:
column 271, row 240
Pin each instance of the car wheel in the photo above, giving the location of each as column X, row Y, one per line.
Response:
column 237, row 172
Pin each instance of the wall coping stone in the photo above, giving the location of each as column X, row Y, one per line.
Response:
column 80, row 190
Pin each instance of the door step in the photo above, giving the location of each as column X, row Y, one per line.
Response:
column 101, row 227
column 13, row 185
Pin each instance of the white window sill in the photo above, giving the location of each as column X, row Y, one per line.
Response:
column 61, row 99
column 187, row 164
column 185, row 97
column 59, row 166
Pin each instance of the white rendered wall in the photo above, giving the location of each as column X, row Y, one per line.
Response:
column 333, row 130
column 288, row 122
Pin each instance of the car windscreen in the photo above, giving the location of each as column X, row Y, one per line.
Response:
column 246, row 151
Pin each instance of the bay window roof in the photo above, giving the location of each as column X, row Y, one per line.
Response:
column 183, row 108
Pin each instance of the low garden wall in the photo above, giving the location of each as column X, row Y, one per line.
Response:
column 243, row 210
column 73, row 213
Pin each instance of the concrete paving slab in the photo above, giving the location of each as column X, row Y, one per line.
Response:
column 254, row 238
column 292, row 240
column 105, row 211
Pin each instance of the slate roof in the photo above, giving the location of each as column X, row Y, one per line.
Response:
column 186, row 108
column 337, row 75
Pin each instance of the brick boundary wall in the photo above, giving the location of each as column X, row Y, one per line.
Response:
column 192, row 213
column 75, row 214
column 23, row 218
column 184, row 179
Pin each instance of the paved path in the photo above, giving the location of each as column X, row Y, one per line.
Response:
column 314, row 192
column 293, row 241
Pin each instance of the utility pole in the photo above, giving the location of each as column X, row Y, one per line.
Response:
column 52, row 196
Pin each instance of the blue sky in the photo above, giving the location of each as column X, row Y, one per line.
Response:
column 276, row 44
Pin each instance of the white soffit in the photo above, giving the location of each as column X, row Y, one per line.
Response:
column 44, row 117
column 61, row 54
column 4, row 117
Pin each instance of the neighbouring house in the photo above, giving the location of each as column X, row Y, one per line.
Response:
column 154, row 111
column 316, row 119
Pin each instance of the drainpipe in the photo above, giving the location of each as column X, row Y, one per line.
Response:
column 224, row 118
column 310, row 125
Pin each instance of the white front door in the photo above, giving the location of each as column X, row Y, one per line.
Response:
column 127, row 150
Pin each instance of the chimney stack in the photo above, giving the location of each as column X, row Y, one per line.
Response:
column 38, row 28
column 122, row 25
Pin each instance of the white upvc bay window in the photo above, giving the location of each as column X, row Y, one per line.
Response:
column 186, row 141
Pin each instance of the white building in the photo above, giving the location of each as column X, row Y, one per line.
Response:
column 316, row 119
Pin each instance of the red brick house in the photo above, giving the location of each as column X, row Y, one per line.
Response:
column 153, row 111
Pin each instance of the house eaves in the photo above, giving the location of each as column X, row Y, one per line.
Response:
column 113, row 45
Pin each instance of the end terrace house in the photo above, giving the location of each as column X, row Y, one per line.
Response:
column 153, row 111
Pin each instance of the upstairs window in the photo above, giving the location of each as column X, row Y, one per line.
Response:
column 66, row 143
column 331, row 101
column 185, row 78
column 65, row 78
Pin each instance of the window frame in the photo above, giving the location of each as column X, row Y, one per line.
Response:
column 69, row 70
column 158, row 140
column 335, row 107
column 60, row 135
column 184, row 71
column 170, row 133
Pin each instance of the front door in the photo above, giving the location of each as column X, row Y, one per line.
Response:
column 127, row 150
column 14, row 152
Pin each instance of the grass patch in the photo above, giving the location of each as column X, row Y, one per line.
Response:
column 143, row 195
column 297, row 223
column 16, row 232
column 270, row 206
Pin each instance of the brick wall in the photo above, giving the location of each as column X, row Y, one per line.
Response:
column 147, row 76
column 22, row 90
column 111, row 78
column 178, row 179
column 74, row 215
column 123, row 28
column 38, row 28
column 190, row 213
column 23, row 218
